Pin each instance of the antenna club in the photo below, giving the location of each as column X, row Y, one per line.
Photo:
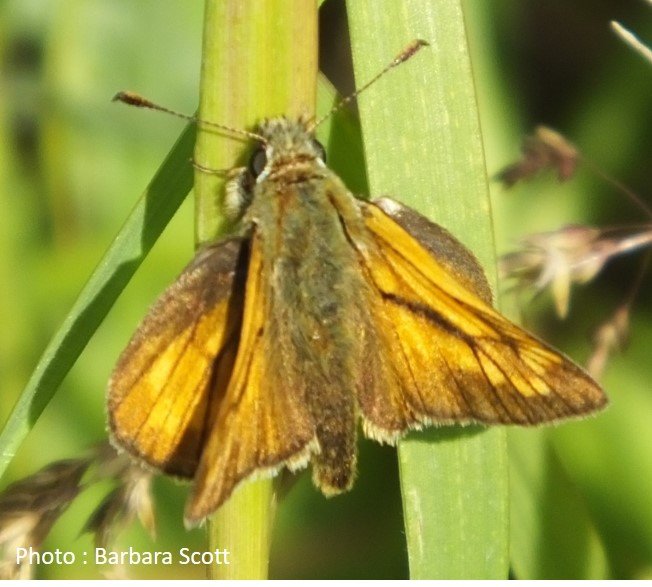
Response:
column 132, row 99
column 403, row 56
column 410, row 50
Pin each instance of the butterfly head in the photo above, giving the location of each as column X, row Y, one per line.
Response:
column 288, row 146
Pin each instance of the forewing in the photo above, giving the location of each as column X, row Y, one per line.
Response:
column 452, row 357
column 263, row 423
column 178, row 361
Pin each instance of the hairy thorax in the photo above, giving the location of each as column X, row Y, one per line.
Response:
column 315, row 283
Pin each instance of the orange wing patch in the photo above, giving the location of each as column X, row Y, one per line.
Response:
column 453, row 357
column 162, row 385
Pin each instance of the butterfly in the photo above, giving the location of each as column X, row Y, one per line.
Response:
column 321, row 312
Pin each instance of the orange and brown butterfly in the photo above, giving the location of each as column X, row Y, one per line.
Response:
column 323, row 311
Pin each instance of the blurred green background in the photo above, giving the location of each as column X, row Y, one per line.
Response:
column 72, row 165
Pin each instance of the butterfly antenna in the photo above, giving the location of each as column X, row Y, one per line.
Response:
column 139, row 101
column 402, row 57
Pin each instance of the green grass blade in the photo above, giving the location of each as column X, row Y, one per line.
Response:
column 422, row 141
column 255, row 60
column 151, row 214
column 258, row 60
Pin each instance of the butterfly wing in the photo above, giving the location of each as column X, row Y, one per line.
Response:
column 263, row 423
column 452, row 358
column 178, row 360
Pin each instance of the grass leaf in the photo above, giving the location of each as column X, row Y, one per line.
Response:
column 258, row 60
column 422, row 143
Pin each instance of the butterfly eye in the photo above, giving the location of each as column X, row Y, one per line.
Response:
column 258, row 161
column 319, row 150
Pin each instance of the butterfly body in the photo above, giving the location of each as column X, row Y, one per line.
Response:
column 302, row 218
